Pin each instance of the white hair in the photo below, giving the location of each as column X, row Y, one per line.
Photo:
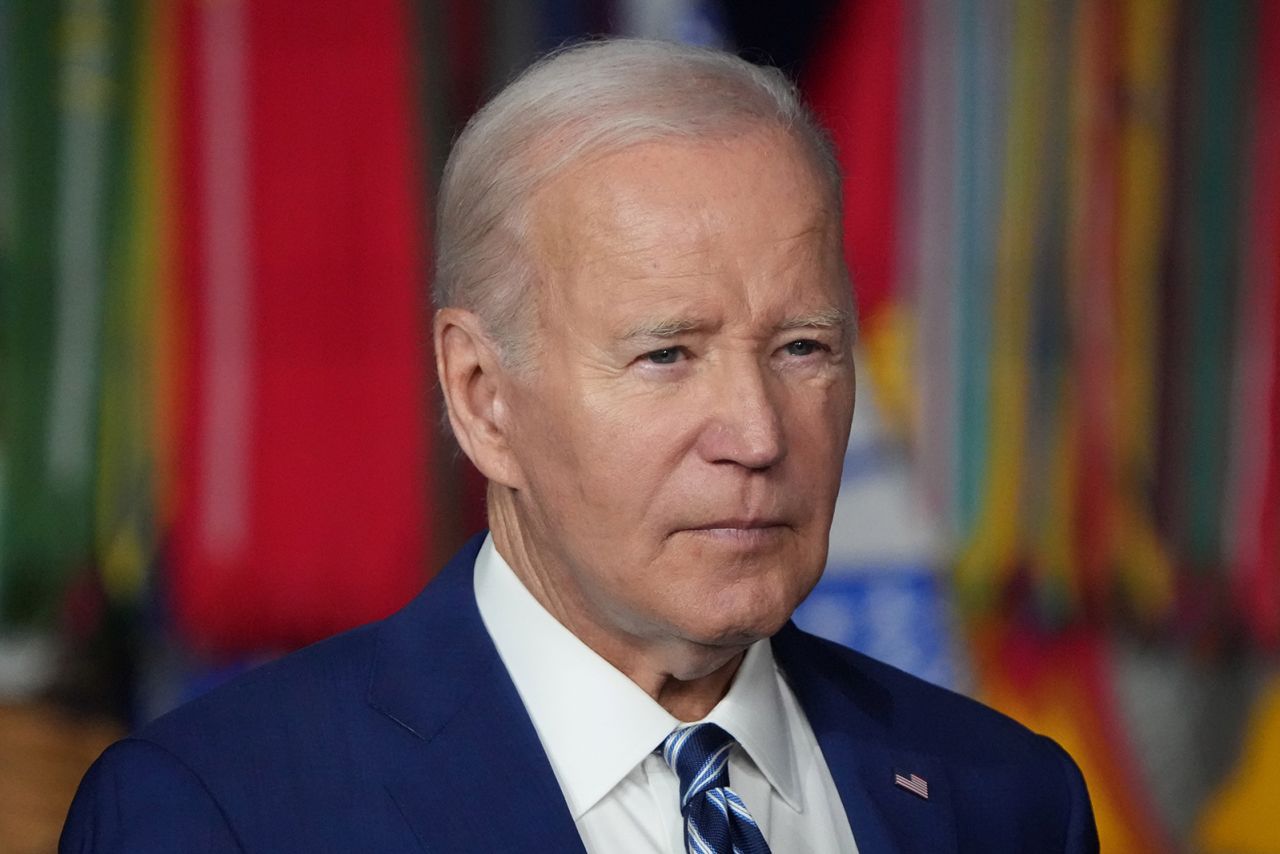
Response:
column 585, row 100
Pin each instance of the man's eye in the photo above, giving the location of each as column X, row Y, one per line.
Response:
column 665, row 356
column 803, row 347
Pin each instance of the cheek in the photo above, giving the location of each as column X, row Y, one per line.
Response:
column 817, row 439
column 630, row 438
column 595, row 467
column 819, row 418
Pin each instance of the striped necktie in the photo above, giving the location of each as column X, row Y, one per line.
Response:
column 716, row 820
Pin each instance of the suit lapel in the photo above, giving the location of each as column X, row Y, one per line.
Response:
column 477, row 779
column 852, row 717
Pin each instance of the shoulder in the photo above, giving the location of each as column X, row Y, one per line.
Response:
column 140, row 797
column 301, row 690
column 303, row 753
column 317, row 694
column 283, row 758
column 1008, row 786
column 916, row 714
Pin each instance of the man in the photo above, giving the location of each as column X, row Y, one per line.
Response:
column 643, row 337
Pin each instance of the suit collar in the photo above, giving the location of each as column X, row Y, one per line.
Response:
column 852, row 716
column 433, row 653
column 436, row 674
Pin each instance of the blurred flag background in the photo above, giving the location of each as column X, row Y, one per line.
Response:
column 1062, row 492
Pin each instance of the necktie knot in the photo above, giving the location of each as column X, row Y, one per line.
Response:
column 716, row 819
column 699, row 755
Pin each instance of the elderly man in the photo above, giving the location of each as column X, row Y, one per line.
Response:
column 643, row 336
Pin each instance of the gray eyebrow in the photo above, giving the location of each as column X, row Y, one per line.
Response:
column 661, row 328
column 827, row 318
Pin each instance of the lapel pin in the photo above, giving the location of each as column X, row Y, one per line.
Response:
column 913, row 783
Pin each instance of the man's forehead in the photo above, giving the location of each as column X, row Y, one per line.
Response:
column 656, row 251
column 720, row 231
column 626, row 192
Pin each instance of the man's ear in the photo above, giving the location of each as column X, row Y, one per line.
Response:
column 475, row 386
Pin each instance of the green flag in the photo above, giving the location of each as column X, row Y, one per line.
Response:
column 59, row 102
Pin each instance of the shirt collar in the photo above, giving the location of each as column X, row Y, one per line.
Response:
column 595, row 724
column 753, row 713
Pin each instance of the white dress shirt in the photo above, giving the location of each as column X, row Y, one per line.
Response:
column 599, row 729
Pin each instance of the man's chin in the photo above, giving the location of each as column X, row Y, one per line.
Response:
column 698, row 660
column 736, row 633
column 704, row 649
column 740, row 614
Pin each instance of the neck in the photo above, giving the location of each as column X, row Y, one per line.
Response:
column 692, row 699
column 685, row 678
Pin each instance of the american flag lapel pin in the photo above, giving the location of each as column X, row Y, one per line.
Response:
column 913, row 783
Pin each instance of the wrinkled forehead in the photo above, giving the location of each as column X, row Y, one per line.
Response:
column 546, row 153
column 668, row 197
column 742, row 222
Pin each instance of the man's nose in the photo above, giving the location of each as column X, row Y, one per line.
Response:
column 744, row 421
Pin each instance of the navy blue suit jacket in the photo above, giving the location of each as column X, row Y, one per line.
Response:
column 407, row 735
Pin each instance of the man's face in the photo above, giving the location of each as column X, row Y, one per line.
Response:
column 680, row 436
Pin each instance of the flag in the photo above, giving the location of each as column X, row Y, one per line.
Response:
column 60, row 89
column 300, row 500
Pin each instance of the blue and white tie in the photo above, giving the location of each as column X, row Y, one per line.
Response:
column 716, row 820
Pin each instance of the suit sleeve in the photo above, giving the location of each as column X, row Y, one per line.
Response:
column 138, row 797
column 1081, row 835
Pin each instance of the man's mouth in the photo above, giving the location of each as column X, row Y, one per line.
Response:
column 739, row 531
column 739, row 523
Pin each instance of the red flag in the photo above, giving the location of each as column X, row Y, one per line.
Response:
column 853, row 83
column 1256, row 443
column 300, row 494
